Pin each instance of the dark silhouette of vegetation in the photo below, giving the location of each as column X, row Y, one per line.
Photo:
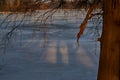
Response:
column 31, row 5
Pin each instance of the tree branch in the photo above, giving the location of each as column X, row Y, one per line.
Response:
column 84, row 23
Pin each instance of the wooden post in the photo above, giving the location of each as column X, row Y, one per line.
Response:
column 109, row 65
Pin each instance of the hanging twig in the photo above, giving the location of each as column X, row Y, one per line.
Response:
column 84, row 23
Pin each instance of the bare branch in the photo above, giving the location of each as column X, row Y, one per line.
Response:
column 84, row 23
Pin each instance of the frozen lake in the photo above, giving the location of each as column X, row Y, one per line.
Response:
column 50, row 52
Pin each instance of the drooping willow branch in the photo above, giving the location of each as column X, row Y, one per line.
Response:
column 43, row 17
column 87, row 17
column 50, row 12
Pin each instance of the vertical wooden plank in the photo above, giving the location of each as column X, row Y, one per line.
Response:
column 109, row 65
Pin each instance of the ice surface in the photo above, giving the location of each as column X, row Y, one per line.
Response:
column 32, row 55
